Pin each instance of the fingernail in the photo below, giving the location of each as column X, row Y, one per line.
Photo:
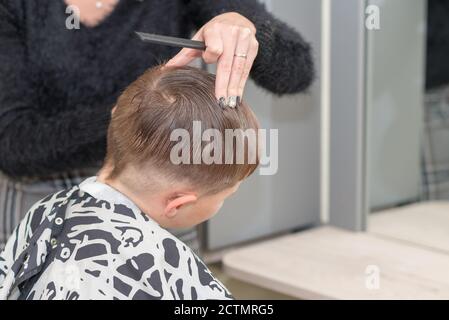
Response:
column 232, row 101
column 222, row 102
column 239, row 100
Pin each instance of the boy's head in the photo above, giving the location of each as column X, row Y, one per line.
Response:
column 155, row 124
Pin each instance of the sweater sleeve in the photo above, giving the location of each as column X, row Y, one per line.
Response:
column 33, row 143
column 284, row 63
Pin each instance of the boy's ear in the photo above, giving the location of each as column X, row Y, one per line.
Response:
column 171, row 209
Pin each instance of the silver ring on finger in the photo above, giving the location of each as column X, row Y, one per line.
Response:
column 241, row 55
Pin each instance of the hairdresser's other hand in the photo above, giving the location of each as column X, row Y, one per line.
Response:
column 231, row 43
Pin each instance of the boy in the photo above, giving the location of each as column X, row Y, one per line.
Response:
column 106, row 238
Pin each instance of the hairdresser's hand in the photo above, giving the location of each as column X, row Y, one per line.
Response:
column 231, row 43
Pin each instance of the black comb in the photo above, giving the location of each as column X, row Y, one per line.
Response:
column 171, row 41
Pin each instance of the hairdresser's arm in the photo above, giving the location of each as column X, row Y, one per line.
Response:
column 31, row 142
column 284, row 61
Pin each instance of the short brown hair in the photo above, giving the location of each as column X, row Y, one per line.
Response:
column 164, row 99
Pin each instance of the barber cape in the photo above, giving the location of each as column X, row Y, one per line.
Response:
column 92, row 242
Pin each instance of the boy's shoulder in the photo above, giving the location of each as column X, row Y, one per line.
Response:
column 148, row 258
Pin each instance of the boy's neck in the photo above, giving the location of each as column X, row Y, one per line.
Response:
column 152, row 206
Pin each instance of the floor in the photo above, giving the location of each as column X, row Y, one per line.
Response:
column 425, row 224
column 243, row 290
column 405, row 255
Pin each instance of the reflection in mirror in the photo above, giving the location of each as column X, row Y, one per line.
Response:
column 407, row 96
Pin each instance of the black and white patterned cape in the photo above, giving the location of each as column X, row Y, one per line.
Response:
column 92, row 242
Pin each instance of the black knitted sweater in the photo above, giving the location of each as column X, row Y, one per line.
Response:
column 58, row 85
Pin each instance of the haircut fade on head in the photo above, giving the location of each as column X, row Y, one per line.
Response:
column 164, row 99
